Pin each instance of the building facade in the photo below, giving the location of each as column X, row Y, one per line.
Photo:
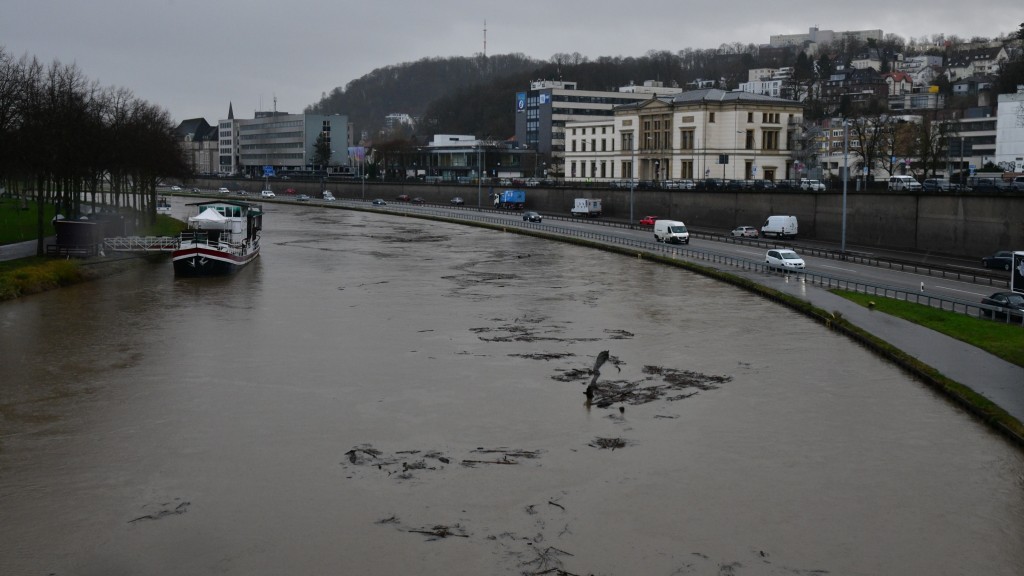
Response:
column 199, row 143
column 698, row 134
column 544, row 109
column 1010, row 132
column 282, row 141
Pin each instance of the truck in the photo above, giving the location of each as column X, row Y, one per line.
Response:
column 780, row 227
column 510, row 200
column 589, row 207
column 671, row 231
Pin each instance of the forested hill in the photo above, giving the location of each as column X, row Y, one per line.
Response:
column 410, row 88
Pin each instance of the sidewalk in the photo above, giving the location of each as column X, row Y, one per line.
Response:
column 994, row 378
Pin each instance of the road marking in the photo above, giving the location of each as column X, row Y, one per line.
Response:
column 939, row 287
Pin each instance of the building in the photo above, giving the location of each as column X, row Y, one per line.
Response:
column 1010, row 132
column 706, row 133
column 543, row 110
column 282, row 141
column 816, row 37
column 200, row 144
column 977, row 131
column 467, row 159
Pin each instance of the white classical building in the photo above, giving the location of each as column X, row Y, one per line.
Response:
column 706, row 133
column 1010, row 132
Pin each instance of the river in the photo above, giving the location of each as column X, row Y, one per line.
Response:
column 384, row 395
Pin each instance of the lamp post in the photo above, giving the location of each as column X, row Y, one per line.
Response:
column 479, row 179
column 846, row 179
column 632, row 171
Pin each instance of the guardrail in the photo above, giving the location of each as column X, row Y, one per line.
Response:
column 975, row 309
column 142, row 243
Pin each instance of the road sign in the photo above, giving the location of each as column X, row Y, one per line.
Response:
column 268, row 170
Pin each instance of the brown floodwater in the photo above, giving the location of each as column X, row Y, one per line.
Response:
column 383, row 395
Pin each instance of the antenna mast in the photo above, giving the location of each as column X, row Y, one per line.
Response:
column 485, row 38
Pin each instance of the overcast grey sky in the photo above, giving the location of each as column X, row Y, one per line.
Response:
column 193, row 57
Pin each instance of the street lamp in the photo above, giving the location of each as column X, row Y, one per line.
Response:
column 846, row 178
column 479, row 179
column 632, row 171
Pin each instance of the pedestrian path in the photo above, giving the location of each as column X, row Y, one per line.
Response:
column 994, row 378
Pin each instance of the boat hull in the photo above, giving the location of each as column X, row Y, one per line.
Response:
column 195, row 261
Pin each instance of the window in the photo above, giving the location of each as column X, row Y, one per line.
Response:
column 750, row 117
column 770, row 118
column 711, row 117
column 770, row 140
column 686, row 139
column 686, row 169
column 749, row 140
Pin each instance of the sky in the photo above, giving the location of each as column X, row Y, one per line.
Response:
column 194, row 57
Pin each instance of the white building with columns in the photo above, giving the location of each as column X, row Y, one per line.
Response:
column 698, row 134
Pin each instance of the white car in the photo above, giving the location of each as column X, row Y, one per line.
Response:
column 328, row 196
column 816, row 185
column 745, row 232
column 267, row 193
column 176, row 188
column 784, row 259
column 223, row 191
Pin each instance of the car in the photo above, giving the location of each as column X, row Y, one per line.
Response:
column 289, row 190
column 328, row 196
column 532, row 216
column 648, row 220
column 457, row 201
column 533, row 182
column 745, row 232
column 302, row 198
column 418, row 200
column 379, row 202
column 1018, row 184
column 195, row 190
column 242, row 193
column 267, row 193
column 784, row 259
column 808, row 184
column 402, row 198
column 939, row 185
column 1006, row 303
column 176, row 188
column 1002, row 259
column 223, row 190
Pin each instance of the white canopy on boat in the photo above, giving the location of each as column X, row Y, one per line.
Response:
column 209, row 219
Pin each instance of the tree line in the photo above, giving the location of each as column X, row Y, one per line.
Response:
column 66, row 141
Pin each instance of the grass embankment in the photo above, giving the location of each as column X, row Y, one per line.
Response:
column 18, row 219
column 1002, row 340
column 40, row 273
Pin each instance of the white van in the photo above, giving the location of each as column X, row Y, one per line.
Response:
column 780, row 227
column 903, row 182
column 672, row 231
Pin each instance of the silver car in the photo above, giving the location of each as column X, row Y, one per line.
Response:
column 784, row 259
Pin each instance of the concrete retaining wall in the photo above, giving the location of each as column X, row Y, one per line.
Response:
column 967, row 224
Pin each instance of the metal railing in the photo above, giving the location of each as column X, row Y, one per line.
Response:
column 142, row 244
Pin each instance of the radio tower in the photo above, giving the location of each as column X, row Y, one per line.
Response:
column 485, row 38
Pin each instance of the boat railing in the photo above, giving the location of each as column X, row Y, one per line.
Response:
column 204, row 238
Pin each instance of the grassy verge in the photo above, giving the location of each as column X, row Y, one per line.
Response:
column 1002, row 340
column 40, row 273
column 18, row 220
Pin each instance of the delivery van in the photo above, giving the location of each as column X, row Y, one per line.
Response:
column 780, row 227
column 672, row 231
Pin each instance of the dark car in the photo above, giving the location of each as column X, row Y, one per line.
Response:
column 302, row 198
column 379, row 202
column 1005, row 303
column 1002, row 259
column 458, row 201
column 531, row 216
column 418, row 200
column 402, row 198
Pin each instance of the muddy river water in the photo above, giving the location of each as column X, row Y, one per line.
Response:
column 381, row 395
